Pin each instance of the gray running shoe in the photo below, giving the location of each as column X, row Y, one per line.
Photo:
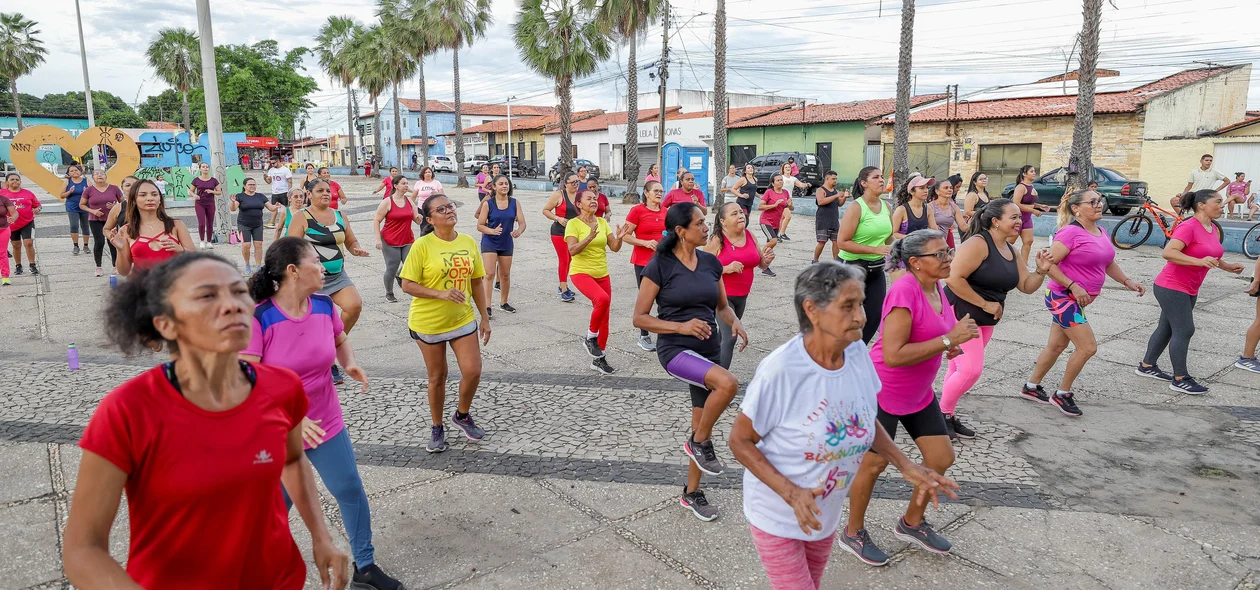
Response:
column 471, row 430
column 703, row 455
column 645, row 342
column 862, row 547
column 921, row 535
column 698, row 504
column 437, row 440
column 1248, row 364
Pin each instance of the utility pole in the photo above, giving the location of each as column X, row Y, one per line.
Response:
column 509, row 145
column 214, row 120
column 87, row 87
column 664, row 75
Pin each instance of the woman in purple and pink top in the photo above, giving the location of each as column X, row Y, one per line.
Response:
column 204, row 188
column 1081, row 258
column 98, row 198
column 427, row 185
column 1025, row 196
column 297, row 328
column 918, row 329
column 736, row 248
column 1194, row 249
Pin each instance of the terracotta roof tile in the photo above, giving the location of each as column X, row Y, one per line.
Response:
column 476, row 108
column 733, row 115
column 863, row 110
column 524, row 123
column 606, row 120
column 162, row 125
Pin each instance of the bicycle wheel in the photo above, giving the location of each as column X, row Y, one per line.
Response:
column 1131, row 232
column 1251, row 242
column 1220, row 231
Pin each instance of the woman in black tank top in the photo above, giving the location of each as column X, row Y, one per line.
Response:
column 913, row 196
column 561, row 206
column 748, row 189
column 985, row 269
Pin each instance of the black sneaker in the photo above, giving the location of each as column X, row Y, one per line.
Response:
column 785, row 238
column 703, row 455
column 861, row 546
column 370, row 577
column 1188, row 385
column 1152, row 371
column 490, row 313
column 592, row 347
column 698, row 504
column 34, row 270
column 1038, row 395
column 601, row 364
column 957, row 429
column 1066, row 403
column 496, row 285
column 507, row 307
column 437, row 439
column 17, row 270
column 390, row 298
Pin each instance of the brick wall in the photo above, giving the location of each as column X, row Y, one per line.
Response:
column 1117, row 140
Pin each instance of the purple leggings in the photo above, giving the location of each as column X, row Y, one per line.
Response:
column 205, row 219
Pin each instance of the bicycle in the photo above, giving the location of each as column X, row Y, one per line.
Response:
column 1251, row 242
column 1137, row 226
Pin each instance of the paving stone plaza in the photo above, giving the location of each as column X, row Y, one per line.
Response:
column 576, row 485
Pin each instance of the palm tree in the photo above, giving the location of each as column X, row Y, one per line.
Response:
column 901, row 125
column 719, row 91
column 176, row 57
column 561, row 40
column 385, row 59
column 332, row 47
column 456, row 24
column 1080, row 162
column 21, row 51
column 373, row 80
column 628, row 19
column 415, row 34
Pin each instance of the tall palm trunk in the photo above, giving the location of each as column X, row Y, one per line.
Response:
column 354, row 155
column 187, row 115
column 1080, row 163
column 459, row 124
column 424, row 119
column 719, row 94
column 901, row 127
column 376, row 129
column 397, row 129
column 17, row 104
column 564, row 86
column 631, row 153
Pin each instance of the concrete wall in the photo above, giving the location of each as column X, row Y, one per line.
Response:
column 1166, row 164
column 587, row 143
column 1117, row 140
column 1199, row 108
column 848, row 142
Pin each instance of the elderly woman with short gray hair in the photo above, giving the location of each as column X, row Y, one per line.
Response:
column 806, row 421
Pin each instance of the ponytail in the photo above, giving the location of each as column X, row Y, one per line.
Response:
column 282, row 253
column 982, row 220
column 912, row 245
column 679, row 215
column 1066, row 216
column 1190, row 200
column 858, row 189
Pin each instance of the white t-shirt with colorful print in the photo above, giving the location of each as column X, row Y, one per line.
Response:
column 815, row 425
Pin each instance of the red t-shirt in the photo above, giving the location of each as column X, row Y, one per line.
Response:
column 648, row 225
column 25, row 201
column 678, row 195
column 601, row 205
column 203, row 488
column 336, row 192
column 773, row 217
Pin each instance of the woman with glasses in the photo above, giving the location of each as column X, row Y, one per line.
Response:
column 560, row 208
column 645, row 226
column 1082, row 258
column 917, row 331
column 588, row 236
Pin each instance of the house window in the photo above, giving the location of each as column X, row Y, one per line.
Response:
column 466, row 123
column 574, row 151
column 404, row 122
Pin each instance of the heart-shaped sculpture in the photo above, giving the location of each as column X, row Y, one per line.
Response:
column 25, row 145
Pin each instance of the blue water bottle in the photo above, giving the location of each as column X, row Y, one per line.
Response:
column 72, row 357
column 113, row 281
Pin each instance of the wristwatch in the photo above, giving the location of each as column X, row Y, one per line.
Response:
column 946, row 342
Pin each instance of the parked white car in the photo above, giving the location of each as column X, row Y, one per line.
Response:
column 474, row 165
column 443, row 164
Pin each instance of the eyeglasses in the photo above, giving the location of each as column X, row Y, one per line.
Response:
column 447, row 208
column 571, row 182
column 943, row 255
column 1095, row 202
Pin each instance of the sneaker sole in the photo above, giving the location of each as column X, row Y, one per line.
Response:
column 1139, row 373
column 1067, row 413
column 433, row 450
column 964, row 436
column 1034, row 398
column 1248, row 369
column 697, row 463
column 601, row 371
column 684, row 504
column 853, row 551
column 466, row 435
column 1180, row 390
column 653, row 348
column 913, row 540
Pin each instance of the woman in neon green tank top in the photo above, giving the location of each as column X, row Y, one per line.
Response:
column 865, row 234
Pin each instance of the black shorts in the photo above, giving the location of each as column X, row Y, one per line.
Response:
column 926, row 422
column 282, row 198
column 251, row 234
column 500, row 253
column 771, row 232
column 26, row 233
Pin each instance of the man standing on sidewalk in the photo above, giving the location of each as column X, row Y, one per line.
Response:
column 1203, row 177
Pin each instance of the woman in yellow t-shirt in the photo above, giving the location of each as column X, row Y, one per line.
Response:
column 443, row 273
column 587, row 236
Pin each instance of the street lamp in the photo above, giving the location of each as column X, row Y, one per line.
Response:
column 509, row 141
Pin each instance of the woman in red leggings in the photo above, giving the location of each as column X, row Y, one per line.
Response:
column 560, row 208
column 587, row 236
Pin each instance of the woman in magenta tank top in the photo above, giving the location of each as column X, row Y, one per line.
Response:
column 1025, row 196
column 737, row 250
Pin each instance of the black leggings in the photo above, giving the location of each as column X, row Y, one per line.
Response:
column 737, row 302
column 638, row 280
column 876, row 289
column 1176, row 326
column 99, row 242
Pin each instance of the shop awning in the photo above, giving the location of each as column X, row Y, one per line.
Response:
column 258, row 142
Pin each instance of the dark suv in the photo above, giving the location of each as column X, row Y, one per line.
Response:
column 1121, row 194
column 767, row 165
column 519, row 167
column 592, row 171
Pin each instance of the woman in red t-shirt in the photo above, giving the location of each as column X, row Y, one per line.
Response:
column 736, row 248
column 200, row 444
column 645, row 224
column 396, row 212
column 602, row 208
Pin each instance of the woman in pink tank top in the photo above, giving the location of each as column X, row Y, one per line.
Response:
column 737, row 250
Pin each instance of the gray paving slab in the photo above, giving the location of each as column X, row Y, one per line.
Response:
column 617, row 500
column 584, row 565
column 28, row 540
column 25, row 469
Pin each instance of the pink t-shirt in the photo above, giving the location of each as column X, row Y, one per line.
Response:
column 1199, row 243
column 1087, row 260
column 425, row 188
column 678, row 195
column 908, row 389
column 774, row 217
column 25, row 202
column 308, row 347
column 1236, row 189
column 739, row 284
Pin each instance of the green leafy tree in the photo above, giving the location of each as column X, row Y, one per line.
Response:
column 21, row 51
column 125, row 119
column 161, row 107
column 410, row 24
column 333, row 45
column 261, row 90
column 560, row 39
column 176, row 58
column 456, row 24
column 73, row 103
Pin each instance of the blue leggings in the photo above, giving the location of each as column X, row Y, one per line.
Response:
column 335, row 462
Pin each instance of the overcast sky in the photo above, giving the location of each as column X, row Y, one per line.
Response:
column 819, row 49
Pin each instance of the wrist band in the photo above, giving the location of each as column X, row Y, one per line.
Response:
column 1070, row 285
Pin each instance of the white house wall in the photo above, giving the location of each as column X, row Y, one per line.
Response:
column 1199, row 108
